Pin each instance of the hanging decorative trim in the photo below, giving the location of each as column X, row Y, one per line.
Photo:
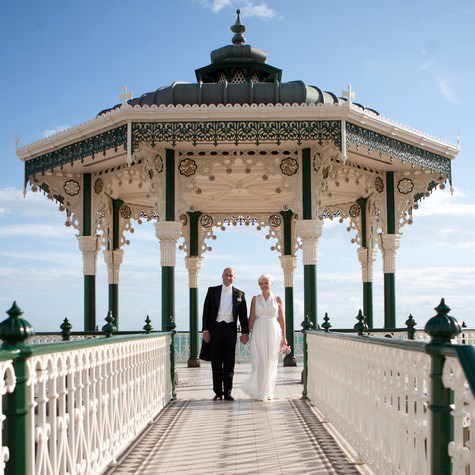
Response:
column 364, row 138
column 236, row 132
column 112, row 139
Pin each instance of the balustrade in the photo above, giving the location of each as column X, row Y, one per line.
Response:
column 391, row 399
column 7, row 385
column 78, row 404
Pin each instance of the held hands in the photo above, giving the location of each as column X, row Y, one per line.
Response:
column 244, row 338
column 285, row 349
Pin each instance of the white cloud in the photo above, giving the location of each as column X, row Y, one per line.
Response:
column 34, row 230
column 56, row 130
column 260, row 10
column 440, row 203
column 218, row 5
column 446, row 90
column 250, row 8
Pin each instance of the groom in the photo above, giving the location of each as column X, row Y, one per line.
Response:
column 224, row 304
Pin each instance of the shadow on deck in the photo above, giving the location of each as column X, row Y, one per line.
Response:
column 195, row 435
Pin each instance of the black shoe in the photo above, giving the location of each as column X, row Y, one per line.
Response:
column 217, row 398
column 228, row 397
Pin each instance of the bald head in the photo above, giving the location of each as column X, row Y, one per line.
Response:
column 228, row 276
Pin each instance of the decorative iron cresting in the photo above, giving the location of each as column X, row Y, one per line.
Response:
column 112, row 139
column 237, row 132
column 396, row 149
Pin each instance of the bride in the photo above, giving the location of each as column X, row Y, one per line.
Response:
column 267, row 324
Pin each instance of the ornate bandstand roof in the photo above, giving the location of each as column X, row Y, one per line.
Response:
column 238, row 74
column 238, row 135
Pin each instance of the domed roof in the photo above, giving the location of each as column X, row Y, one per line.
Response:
column 238, row 74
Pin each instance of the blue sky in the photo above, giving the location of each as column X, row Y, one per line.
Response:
column 62, row 62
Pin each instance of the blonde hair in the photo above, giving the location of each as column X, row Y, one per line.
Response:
column 265, row 276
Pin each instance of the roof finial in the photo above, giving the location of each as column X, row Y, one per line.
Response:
column 238, row 29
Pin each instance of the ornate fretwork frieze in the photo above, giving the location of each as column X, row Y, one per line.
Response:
column 112, row 139
column 152, row 160
column 64, row 189
column 410, row 189
column 237, row 132
column 351, row 211
column 103, row 222
column 208, row 223
column 249, row 171
column 393, row 148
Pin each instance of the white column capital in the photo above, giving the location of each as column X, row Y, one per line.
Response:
column 389, row 246
column 89, row 246
column 193, row 264
column 168, row 232
column 289, row 264
column 309, row 230
column 367, row 258
column 113, row 259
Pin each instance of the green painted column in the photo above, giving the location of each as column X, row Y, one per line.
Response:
column 309, row 230
column 310, row 270
column 366, row 258
column 390, row 243
column 310, row 292
column 168, row 296
column 88, row 246
column 89, row 303
column 193, row 264
column 168, row 231
column 368, row 303
column 288, row 263
column 114, row 262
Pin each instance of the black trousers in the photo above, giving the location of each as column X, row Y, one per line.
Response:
column 223, row 349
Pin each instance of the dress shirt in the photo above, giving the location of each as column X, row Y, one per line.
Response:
column 225, row 312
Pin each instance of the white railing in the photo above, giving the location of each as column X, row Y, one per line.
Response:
column 89, row 401
column 7, row 385
column 182, row 345
column 462, row 448
column 376, row 396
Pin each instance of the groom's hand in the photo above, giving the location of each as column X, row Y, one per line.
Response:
column 206, row 336
column 244, row 338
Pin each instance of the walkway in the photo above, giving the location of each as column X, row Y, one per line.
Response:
column 195, row 435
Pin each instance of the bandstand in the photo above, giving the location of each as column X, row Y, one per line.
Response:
column 239, row 146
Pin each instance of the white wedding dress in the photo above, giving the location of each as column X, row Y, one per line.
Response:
column 264, row 347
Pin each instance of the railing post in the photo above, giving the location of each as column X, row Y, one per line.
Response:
column 14, row 331
column 148, row 325
column 66, row 330
column 410, row 324
column 109, row 328
column 361, row 326
column 326, row 325
column 171, row 328
column 442, row 328
column 307, row 324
